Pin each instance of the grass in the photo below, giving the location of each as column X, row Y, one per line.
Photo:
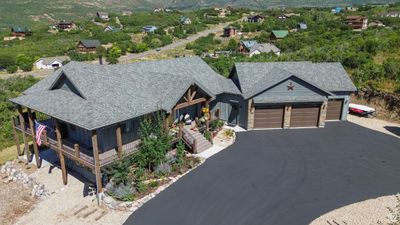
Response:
column 8, row 154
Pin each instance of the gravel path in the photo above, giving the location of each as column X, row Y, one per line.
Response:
column 376, row 124
column 62, row 206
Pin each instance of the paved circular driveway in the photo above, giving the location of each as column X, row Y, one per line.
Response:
column 281, row 177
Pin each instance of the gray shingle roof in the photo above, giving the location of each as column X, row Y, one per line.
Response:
column 115, row 93
column 257, row 77
column 264, row 48
column 90, row 43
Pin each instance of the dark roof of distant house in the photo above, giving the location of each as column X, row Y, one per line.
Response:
column 90, row 43
column 108, row 94
column 257, row 77
column 19, row 29
column 256, row 17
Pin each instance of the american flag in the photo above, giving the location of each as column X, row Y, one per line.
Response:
column 39, row 128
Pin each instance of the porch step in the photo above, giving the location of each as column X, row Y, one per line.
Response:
column 202, row 143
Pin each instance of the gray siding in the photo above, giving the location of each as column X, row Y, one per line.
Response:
column 224, row 102
column 300, row 88
column 107, row 136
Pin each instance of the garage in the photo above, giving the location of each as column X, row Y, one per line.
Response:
column 334, row 110
column 268, row 116
column 305, row 115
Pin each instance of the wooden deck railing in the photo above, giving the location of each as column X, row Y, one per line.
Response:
column 79, row 153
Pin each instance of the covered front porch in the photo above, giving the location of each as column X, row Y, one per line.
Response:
column 55, row 136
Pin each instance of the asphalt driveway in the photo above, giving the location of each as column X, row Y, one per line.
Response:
column 281, row 177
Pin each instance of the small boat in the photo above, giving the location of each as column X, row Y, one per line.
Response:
column 361, row 110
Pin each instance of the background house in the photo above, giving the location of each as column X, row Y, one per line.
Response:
column 279, row 34
column 185, row 20
column 20, row 31
column 50, row 62
column 65, row 25
column 357, row 22
column 150, row 29
column 103, row 16
column 246, row 45
column 302, row 26
column 229, row 31
column 264, row 48
column 88, row 45
column 255, row 19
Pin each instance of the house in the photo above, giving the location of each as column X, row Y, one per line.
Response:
column 20, row 31
column 357, row 22
column 150, row 29
column 229, row 31
column 185, row 20
column 255, row 19
column 302, row 26
column 351, row 8
column 88, row 45
column 337, row 10
column 126, row 13
column 246, row 45
column 279, row 34
column 103, row 16
column 264, row 48
column 285, row 16
column 112, row 29
column 94, row 111
column 65, row 25
column 391, row 14
column 92, row 126
column 50, row 62
column 376, row 23
column 157, row 10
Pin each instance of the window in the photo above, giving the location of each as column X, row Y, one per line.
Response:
column 127, row 127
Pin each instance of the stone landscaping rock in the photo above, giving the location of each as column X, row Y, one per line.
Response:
column 15, row 174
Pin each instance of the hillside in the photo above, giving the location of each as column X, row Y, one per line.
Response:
column 25, row 12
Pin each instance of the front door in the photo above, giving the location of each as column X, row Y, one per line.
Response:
column 234, row 114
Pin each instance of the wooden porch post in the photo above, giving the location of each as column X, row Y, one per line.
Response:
column 16, row 138
column 60, row 153
column 97, row 165
column 23, row 128
column 119, row 141
column 35, row 146
column 208, row 116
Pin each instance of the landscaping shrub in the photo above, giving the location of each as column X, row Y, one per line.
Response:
column 180, row 153
column 207, row 134
column 216, row 124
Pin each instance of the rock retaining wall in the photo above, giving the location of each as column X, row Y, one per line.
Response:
column 382, row 101
column 15, row 174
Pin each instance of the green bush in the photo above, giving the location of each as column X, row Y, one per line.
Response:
column 207, row 134
column 216, row 124
column 12, row 69
column 180, row 152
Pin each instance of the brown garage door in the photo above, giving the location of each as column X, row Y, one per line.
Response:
column 304, row 116
column 268, row 117
column 334, row 110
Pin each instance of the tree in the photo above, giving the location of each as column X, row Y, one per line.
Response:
column 392, row 68
column 25, row 62
column 155, row 142
column 113, row 54
column 232, row 45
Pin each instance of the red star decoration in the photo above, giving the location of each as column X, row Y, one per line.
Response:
column 290, row 87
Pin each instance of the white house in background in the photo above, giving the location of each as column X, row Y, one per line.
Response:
column 264, row 48
column 50, row 62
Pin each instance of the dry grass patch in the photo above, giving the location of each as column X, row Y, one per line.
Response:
column 8, row 154
column 15, row 201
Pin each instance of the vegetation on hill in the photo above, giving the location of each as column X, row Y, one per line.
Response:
column 21, row 12
column 370, row 56
column 10, row 88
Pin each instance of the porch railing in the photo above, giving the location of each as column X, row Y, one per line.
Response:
column 77, row 152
